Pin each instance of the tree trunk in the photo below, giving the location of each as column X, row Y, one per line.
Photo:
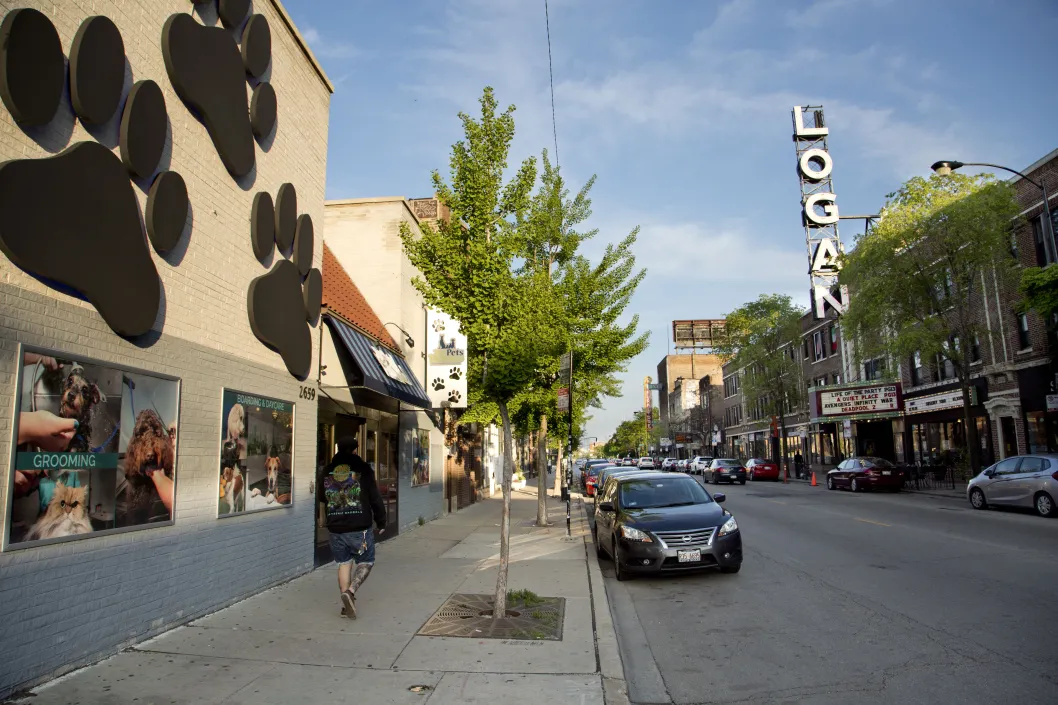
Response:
column 782, row 442
column 972, row 442
column 560, row 473
column 499, row 609
column 541, row 468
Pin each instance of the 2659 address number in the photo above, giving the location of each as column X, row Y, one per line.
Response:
column 308, row 393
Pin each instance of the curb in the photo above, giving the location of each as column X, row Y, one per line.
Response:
column 615, row 689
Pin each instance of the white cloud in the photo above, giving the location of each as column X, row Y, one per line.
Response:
column 331, row 49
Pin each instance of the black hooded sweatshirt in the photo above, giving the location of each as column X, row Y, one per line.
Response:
column 348, row 490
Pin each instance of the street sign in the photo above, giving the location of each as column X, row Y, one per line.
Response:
column 562, row 403
column 665, row 442
column 565, row 367
column 655, row 387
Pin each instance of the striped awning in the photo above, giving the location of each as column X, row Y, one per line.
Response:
column 381, row 369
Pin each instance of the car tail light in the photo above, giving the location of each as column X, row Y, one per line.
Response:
column 1055, row 475
column 872, row 472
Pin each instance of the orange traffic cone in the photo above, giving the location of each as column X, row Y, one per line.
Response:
column 813, row 479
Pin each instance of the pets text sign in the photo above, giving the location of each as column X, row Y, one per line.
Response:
column 447, row 359
column 95, row 449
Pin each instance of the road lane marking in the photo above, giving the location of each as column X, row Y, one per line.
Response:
column 868, row 521
column 776, row 501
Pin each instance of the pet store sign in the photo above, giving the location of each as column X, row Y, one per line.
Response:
column 65, row 461
column 447, row 360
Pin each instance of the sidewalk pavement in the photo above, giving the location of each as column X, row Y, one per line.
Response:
column 289, row 644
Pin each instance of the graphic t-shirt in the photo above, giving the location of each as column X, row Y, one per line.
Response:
column 350, row 496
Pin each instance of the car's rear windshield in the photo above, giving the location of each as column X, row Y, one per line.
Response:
column 653, row 493
column 760, row 461
column 728, row 463
column 878, row 462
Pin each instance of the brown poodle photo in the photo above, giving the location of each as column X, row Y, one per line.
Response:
column 151, row 449
column 78, row 398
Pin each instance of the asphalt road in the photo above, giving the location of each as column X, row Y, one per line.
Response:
column 843, row 598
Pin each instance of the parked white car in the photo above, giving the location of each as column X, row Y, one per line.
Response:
column 645, row 463
column 699, row 464
column 668, row 464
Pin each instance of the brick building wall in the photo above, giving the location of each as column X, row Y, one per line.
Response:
column 68, row 604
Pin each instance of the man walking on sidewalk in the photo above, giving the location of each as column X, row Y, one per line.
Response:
column 347, row 489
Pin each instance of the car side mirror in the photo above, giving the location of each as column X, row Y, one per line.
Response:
column 990, row 473
column 606, row 507
column 719, row 496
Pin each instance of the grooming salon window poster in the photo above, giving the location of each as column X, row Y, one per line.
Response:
column 95, row 449
column 256, row 455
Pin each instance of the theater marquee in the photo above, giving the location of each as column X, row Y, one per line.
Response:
column 860, row 401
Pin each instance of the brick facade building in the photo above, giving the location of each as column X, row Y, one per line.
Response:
column 1014, row 374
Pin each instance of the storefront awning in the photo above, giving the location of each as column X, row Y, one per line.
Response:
column 382, row 370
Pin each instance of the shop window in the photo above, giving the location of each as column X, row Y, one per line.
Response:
column 1036, row 430
column 1023, row 331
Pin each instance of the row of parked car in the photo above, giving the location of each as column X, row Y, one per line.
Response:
column 651, row 521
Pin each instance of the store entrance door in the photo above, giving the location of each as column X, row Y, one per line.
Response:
column 1010, row 436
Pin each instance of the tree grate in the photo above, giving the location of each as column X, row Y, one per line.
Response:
column 470, row 616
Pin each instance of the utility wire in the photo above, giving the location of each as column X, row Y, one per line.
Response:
column 551, row 76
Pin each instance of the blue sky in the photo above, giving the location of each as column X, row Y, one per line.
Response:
column 682, row 109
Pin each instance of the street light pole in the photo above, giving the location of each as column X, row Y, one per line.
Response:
column 945, row 168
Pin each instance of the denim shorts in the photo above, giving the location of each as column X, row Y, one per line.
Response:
column 355, row 546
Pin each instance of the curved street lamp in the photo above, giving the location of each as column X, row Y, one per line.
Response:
column 944, row 168
column 407, row 338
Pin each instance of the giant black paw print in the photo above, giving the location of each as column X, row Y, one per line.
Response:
column 282, row 303
column 455, row 373
column 439, row 325
column 73, row 220
column 454, row 396
column 438, row 384
column 208, row 71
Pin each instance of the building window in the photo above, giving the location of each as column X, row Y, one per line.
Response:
column 1023, row 331
column 821, row 381
column 872, row 369
column 975, row 350
column 817, row 346
column 833, row 340
column 804, row 348
column 1040, row 237
column 837, row 379
column 916, row 368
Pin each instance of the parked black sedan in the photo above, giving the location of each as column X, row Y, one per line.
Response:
column 662, row 523
column 725, row 470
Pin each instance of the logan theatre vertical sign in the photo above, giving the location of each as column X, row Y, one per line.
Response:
column 819, row 209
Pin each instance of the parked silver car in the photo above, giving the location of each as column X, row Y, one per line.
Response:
column 1018, row 481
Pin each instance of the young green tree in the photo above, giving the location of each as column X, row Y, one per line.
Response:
column 763, row 339
column 467, row 267
column 916, row 279
column 547, row 239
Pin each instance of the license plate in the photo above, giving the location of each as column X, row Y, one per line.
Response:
column 887, row 472
column 690, row 556
column 734, row 476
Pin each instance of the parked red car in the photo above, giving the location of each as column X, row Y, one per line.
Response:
column 760, row 469
column 867, row 473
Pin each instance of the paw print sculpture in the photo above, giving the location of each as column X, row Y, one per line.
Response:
column 209, row 71
column 285, row 301
column 438, row 384
column 73, row 220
